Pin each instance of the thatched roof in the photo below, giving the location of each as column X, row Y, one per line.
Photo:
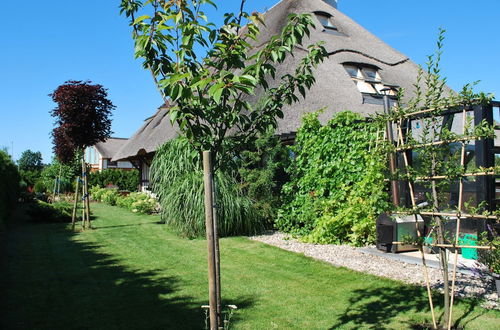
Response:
column 108, row 148
column 155, row 131
column 334, row 89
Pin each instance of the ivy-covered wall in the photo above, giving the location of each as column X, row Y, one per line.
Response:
column 337, row 185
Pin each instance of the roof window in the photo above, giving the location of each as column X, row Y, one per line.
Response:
column 326, row 20
column 367, row 79
column 328, row 23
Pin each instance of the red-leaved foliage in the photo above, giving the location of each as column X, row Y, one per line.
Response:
column 82, row 117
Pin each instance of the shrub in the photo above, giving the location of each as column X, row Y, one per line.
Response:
column 39, row 187
column 40, row 211
column 177, row 178
column 110, row 196
column 96, row 193
column 123, row 179
column 490, row 258
column 125, row 202
column 135, row 202
column 337, row 186
column 9, row 186
column 51, row 172
column 144, row 205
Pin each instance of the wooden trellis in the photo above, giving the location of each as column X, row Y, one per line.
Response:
column 402, row 147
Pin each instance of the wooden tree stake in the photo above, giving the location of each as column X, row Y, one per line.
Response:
column 75, row 205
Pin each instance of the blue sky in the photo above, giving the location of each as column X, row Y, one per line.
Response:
column 45, row 43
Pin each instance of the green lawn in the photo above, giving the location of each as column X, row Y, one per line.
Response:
column 132, row 273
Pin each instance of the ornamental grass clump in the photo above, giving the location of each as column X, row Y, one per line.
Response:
column 177, row 177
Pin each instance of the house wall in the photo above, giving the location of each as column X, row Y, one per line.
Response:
column 93, row 158
column 107, row 163
column 144, row 179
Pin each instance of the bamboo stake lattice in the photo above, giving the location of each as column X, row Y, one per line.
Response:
column 414, row 204
column 460, row 200
column 403, row 149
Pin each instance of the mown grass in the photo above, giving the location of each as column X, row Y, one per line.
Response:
column 132, row 273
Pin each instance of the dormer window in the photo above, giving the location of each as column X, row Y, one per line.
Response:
column 367, row 79
column 326, row 20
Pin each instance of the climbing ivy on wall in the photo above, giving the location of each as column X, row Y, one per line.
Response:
column 337, row 186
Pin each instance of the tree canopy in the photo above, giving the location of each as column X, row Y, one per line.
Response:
column 30, row 161
column 82, row 115
column 209, row 95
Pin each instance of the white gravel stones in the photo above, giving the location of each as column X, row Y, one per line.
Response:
column 353, row 258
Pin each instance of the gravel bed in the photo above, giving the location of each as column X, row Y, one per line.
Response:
column 353, row 258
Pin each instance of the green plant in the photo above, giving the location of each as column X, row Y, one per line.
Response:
column 9, row 186
column 490, row 258
column 39, row 187
column 122, row 179
column 68, row 172
column 337, row 186
column 145, row 205
column 40, row 211
column 177, row 180
column 110, row 196
column 262, row 174
column 30, row 166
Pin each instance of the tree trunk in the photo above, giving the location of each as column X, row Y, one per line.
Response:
column 87, row 198
column 85, row 195
column 211, row 235
column 216, row 251
column 442, row 251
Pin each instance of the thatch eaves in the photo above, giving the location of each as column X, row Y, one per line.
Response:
column 110, row 147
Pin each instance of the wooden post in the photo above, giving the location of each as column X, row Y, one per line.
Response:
column 209, row 226
column 84, row 215
column 216, row 252
column 75, row 205
column 457, row 233
column 392, row 156
column 419, row 234
column 87, row 196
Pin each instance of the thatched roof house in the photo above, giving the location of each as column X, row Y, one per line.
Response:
column 99, row 156
column 359, row 66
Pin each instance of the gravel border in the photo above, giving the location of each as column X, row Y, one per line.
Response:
column 353, row 258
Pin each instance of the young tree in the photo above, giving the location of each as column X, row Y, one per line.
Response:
column 82, row 119
column 210, row 93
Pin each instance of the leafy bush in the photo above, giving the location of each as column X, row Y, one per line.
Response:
column 110, row 196
column 135, row 202
column 9, row 186
column 337, row 187
column 177, row 177
column 490, row 258
column 51, row 172
column 39, row 187
column 123, row 179
column 145, row 205
column 40, row 211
